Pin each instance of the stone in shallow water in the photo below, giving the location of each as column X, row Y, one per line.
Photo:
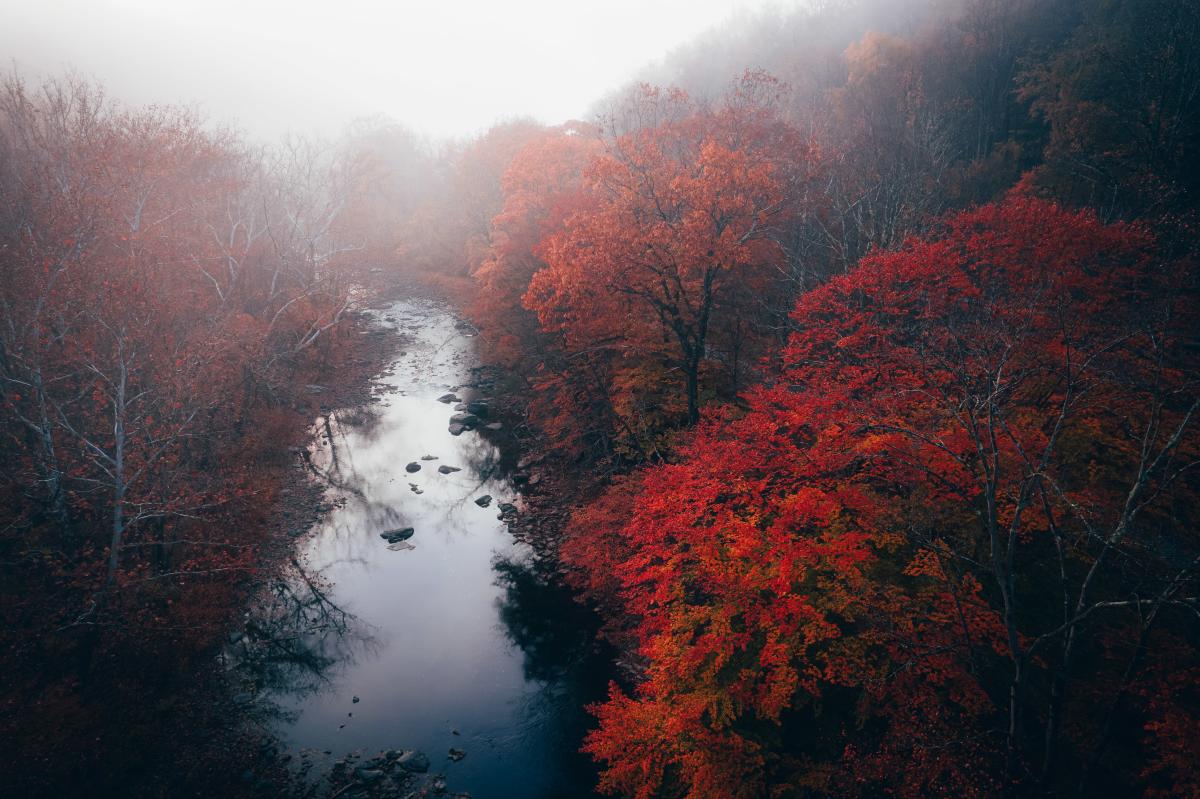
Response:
column 456, row 429
column 456, row 754
column 484, row 501
column 401, row 534
column 447, row 398
column 368, row 774
column 412, row 467
column 429, row 457
column 444, row 469
column 412, row 760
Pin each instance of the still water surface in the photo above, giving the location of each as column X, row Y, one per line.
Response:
column 464, row 633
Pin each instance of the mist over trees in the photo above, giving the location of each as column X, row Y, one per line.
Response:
column 865, row 332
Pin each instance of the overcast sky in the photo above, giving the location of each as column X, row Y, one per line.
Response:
column 445, row 68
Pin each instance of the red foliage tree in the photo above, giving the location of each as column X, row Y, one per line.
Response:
column 931, row 557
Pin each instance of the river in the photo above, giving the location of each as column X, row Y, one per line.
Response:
column 460, row 642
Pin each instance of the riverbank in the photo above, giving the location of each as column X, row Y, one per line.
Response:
column 214, row 740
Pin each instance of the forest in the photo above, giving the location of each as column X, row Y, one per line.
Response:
column 859, row 345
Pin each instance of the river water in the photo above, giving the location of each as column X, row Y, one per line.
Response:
column 461, row 641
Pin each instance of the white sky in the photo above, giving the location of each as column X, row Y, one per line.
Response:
column 272, row 66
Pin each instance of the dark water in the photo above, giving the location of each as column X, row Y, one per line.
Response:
column 464, row 632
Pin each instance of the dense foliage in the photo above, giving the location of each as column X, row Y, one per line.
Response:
column 947, row 550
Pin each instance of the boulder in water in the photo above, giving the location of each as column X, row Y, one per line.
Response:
column 412, row 467
column 444, row 469
column 414, row 761
column 400, row 534
column 368, row 775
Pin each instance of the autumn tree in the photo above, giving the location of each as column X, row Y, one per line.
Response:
column 673, row 235
column 946, row 552
column 1122, row 100
column 567, row 397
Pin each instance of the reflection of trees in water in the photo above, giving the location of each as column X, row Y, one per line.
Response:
column 556, row 634
column 553, row 631
column 334, row 464
column 331, row 429
column 295, row 637
column 557, row 637
column 480, row 457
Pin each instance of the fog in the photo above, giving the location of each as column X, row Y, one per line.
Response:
column 276, row 66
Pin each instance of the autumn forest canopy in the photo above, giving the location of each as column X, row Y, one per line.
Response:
column 863, row 339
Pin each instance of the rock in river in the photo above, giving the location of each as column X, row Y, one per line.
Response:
column 368, row 775
column 456, row 429
column 465, row 419
column 484, row 501
column 456, row 754
column 401, row 534
column 444, row 469
column 412, row 467
column 447, row 398
column 412, row 760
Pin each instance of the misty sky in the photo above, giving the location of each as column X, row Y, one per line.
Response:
column 272, row 66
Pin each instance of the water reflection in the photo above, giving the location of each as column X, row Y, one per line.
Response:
column 294, row 639
column 561, row 654
column 556, row 635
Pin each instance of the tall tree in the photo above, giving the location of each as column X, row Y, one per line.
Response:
column 674, row 232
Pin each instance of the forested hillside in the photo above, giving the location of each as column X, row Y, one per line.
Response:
column 887, row 356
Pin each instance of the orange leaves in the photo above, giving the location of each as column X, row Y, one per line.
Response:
column 668, row 239
column 925, row 563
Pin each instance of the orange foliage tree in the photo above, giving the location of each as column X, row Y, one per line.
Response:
column 671, row 244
